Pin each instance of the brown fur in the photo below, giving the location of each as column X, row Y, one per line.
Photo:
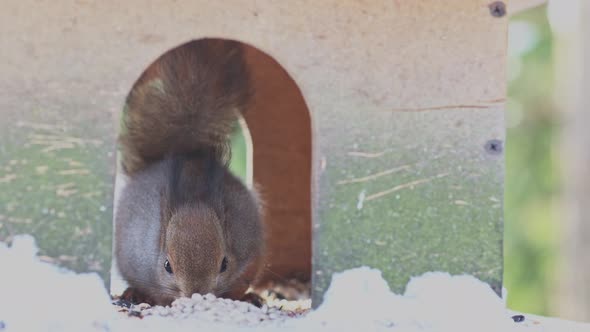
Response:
column 185, row 101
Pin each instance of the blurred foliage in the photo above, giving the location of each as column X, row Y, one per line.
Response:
column 238, row 153
column 55, row 184
column 532, row 182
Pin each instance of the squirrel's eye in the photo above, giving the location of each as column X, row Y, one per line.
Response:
column 168, row 267
column 223, row 265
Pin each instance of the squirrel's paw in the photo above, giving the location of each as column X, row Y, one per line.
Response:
column 253, row 299
column 134, row 296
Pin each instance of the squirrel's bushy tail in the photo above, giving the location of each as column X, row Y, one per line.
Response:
column 186, row 102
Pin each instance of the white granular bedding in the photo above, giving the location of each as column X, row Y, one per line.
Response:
column 208, row 308
column 37, row 296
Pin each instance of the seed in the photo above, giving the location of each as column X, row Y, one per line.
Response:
column 134, row 313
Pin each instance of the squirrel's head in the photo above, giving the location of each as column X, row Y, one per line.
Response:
column 194, row 258
column 194, row 252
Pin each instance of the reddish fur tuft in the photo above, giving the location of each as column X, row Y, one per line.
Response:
column 185, row 102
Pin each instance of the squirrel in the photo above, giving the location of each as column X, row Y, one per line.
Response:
column 184, row 223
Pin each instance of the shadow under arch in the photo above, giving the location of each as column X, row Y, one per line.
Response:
column 280, row 127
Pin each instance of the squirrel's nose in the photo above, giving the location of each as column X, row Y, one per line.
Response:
column 191, row 292
column 202, row 288
column 195, row 290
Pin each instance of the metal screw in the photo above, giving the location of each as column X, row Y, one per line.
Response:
column 497, row 8
column 494, row 146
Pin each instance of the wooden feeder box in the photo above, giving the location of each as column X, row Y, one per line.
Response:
column 377, row 128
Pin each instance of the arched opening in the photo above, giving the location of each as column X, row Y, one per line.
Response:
column 272, row 153
column 280, row 126
column 241, row 163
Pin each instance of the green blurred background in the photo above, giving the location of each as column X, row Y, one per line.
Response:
column 532, row 168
